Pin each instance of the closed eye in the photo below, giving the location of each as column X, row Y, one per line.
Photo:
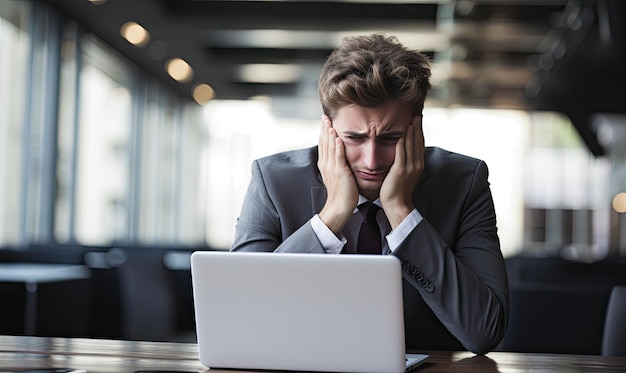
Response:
column 355, row 137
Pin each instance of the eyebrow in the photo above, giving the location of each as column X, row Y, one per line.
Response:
column 354, row 133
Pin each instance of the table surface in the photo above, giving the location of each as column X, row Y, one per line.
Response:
column 100, row 355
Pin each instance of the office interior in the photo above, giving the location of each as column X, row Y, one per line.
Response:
column 127, row 129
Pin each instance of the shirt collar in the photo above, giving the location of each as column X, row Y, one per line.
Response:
column 362, row 200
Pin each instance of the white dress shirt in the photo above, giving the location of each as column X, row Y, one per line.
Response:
column 346, row 242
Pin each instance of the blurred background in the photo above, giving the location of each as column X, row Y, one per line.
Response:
column 127, row 129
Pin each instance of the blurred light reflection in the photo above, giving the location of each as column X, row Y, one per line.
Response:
column 135, row 34
column 179, row 70
column 619, row 203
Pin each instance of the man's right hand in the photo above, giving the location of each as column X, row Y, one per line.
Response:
column 341, row 187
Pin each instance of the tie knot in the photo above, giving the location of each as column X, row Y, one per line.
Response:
column 369, row 210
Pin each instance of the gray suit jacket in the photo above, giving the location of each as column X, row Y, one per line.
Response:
column 455, row 284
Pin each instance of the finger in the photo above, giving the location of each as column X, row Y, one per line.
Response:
column 329, row 139
column 340, row 152
column 419, row 147
column 418, row 133
column 400, row 159
column 332, row 139
column 328, row 121
column 409, row 145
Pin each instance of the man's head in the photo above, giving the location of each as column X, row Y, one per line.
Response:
column 371, row 70
column 371, row 88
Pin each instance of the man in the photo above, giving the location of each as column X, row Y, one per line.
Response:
column 433, row 208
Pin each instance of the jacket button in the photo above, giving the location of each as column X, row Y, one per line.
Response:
column 413, row 271
column 430, row 287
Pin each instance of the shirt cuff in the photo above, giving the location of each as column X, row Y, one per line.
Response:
column 330, row 243
column 402, row 231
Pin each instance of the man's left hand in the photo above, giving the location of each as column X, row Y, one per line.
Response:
column 396, row 193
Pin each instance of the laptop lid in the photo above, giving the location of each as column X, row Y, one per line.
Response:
column 310, row 312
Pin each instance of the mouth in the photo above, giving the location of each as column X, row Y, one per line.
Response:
column 372, row 176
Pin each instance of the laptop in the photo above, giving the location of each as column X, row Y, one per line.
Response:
column 304, row 312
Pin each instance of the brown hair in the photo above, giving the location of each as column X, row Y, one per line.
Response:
column 371, row 70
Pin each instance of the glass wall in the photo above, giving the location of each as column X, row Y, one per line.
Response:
column 92, row 151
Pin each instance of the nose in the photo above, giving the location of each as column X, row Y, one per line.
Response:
column 370, row 154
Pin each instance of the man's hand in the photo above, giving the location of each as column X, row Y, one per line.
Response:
column 343, row 194
column 396, row 193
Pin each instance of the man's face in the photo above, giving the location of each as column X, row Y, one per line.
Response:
column 370, row 137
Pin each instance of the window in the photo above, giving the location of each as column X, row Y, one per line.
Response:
column 102, row 172
column 565, row 192
column 13, row 37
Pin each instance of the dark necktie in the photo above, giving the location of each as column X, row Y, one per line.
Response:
column 369, row 241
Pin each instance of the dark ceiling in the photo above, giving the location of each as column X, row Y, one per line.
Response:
column 520, row 54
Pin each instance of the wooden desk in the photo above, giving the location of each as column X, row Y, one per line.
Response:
column 108, row 356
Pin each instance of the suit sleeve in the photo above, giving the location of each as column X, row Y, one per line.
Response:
column 465, row 286
column 259, row 225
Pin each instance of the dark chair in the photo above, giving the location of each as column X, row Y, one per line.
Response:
column 614, row 338
column 106, row 301
column 556, row 319
column 147, row 295
column 178, row 265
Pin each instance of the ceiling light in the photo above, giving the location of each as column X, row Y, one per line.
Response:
column 179, row 70
column 135, row 34
column 269, row 73
column 98, row 2
column 203, row 93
